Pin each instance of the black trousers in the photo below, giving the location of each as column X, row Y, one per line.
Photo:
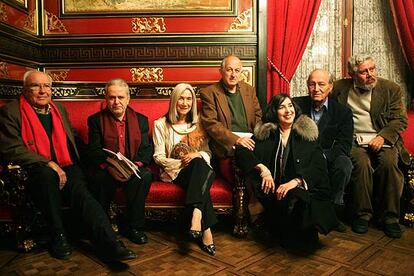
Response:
column 44, row 189
column 196, row 179
column 339, row 170
column 104, row 186
column 288, row 218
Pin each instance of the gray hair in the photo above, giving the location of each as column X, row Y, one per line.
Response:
column 118, row 82
column 355, row 60
column 331, row 78
column 30, row 72
column 224, row 60
column 179, row 89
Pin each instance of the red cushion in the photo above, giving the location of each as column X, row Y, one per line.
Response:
column 226, row 169
column 6, row 213
column 164, row 194
column 408, row 134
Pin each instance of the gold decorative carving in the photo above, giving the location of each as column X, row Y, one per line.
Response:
column 148, row 25
column 243, row 22
column 30, row 22
column 53, row 25
column 246, row 75
column 58, row 75
column 3, row 13
column 4, row 72
column 147, row 74
column 64, row 92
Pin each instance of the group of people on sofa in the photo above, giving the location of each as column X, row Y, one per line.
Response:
column 298, row 157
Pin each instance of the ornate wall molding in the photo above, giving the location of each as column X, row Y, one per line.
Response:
column 53, row 25
column 147, row 74
column 243, row 22
column 3, row 13
column 148, row 25
column 58, row 75
column 4, row 72
column 10, row 90
column 100, row 54
column 30, row 23
column 90, row 91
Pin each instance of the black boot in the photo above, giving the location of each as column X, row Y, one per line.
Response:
column 60, row 247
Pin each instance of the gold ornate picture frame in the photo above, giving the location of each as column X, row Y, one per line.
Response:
column 18, row 4
column 76, row 8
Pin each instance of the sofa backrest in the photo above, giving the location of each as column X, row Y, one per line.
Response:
column 79, row 111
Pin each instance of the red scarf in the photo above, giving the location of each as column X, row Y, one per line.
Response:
column 110, row 132
column 35, row 137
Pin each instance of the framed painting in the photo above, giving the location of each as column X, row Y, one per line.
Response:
column 75, row 8
column 18, row 4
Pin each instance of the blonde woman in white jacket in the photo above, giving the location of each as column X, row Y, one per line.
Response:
column 181, row 150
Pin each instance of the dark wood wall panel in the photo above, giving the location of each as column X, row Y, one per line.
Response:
column 139, row 54
column 19, row 49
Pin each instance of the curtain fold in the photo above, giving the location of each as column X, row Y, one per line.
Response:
column 403, row 14
column 289, row 26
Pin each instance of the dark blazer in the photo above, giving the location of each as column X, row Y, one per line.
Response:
column 216, row 116
column 95, row 156
column 336, row 127
column 12, row 148
column 388, row 113
column 307, row 161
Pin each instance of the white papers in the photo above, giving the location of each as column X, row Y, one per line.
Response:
column 243, row 134
column 363, row 139
column 125, row 166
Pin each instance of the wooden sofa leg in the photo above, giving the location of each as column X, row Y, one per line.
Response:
column 15, row 179
column 240, row 205
column 407, row 199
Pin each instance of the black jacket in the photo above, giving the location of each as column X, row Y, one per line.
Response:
column 336, row 127
column 307, row 161
column 95, row 156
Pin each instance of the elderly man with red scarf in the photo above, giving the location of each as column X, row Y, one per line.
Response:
column 120, row 129
column 36, row 133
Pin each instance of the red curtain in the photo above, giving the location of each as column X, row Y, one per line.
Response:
column 289, row 26
column 403, row 13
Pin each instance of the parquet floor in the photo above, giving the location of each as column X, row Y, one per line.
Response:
column 167, row 253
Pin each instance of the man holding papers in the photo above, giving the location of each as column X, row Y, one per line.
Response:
column 378, row 111
column 230, row 110
column 118, row 128
column 229, row 106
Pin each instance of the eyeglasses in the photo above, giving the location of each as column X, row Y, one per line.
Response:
column 367, row 71
column 39, row 86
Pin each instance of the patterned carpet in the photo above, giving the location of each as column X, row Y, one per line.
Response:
column 168, row 253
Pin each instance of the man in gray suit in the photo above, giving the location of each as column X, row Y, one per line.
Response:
column 379, row 118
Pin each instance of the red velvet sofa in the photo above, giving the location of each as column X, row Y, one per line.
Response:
column 164, row 199
column 227, row 192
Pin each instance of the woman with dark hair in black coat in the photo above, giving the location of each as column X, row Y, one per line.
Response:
column 289, row 173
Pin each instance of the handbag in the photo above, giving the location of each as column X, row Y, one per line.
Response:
column 181, row 149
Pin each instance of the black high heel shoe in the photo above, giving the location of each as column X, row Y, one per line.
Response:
column 195, row 234
column 210, row 249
